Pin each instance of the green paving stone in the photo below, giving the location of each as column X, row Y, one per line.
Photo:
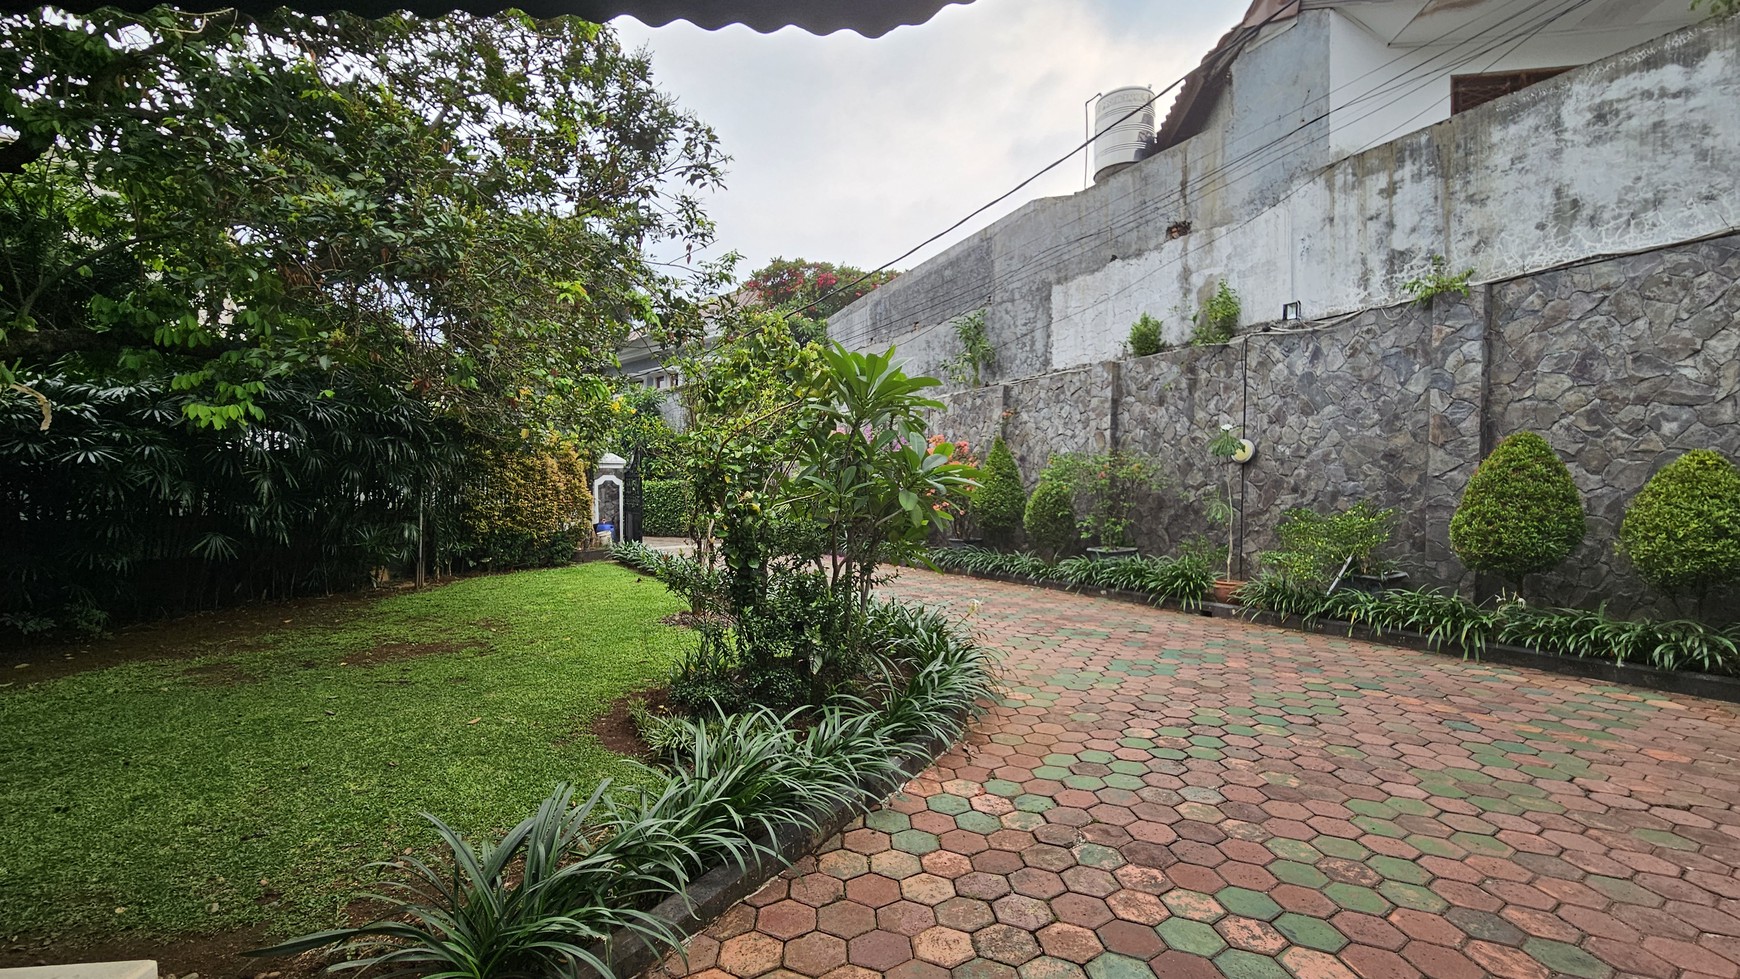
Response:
column 1170, row 754
column 1249, row 903
column 1567, row 959
column 1003, row 787
column 1206, row 754
column 916, row 842
column 948, row 805
column 1173, row 732
column 1129, row 767
column 1097, row 757
column 1486, row 846
column 888, row 821
column 1061, row 761
column 1302, row 874
column 1365, row 807
column 1413, row 896
column 1413, row 807
column 1356, row 898
column 1436, row 847
column 1297, row 850
column 1207, row 741
column 1622, row 890
column 1095, row 855
column 1087, row 783
column 1240, row 964
column 1310, row 932
column 1395, row 868
column 1335, row 846
column 1052, row 772
column 1660, row 837
column 1114, row 966
column 1505, row 806
column 1379, row 827
column 1134, row 742
column 979, row 822
column 1190, row 936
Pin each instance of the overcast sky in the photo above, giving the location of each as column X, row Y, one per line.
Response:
column 853, row 150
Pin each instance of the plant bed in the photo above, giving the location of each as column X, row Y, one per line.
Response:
column 1681, row 682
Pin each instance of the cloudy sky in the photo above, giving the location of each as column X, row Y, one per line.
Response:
column 853, row 150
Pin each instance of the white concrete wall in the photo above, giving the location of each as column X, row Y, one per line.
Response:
column 1634, row 152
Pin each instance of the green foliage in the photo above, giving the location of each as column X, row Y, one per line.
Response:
column 976, row 356
column 1718, row 7
column 1049, row 519
column 667, row 508
column 817, row 290
column 125, row 509
column 1674, row 645
column 365, row 700
column 732, row 781
column 1110, row 482
column 525, row 508
column 1447, row 621
column 1145, row 338
column 460, row 917
column 1438, row 281
column 1183, row 580
column 1316, row 547
column 1521, row 513
column 1219, row 319
column 1682, row 530
column 456, row 206
column 1000, row 502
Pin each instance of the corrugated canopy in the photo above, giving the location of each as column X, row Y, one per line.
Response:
column 871, row 18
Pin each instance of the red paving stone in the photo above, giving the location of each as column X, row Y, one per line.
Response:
column 1162, row 794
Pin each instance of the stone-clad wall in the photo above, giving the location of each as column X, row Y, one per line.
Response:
column 1621, row 364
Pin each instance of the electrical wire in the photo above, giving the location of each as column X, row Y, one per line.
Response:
column 1514, row 39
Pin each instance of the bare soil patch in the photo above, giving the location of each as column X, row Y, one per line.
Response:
column 615, row 727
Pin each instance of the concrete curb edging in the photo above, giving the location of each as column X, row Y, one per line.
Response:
column 1682, row 682
column 710, row 895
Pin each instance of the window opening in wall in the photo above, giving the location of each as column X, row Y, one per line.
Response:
column 1469, row 91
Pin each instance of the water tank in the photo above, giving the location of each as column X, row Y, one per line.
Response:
column 1119, row 144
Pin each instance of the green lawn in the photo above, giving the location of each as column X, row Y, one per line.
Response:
column 242, row 787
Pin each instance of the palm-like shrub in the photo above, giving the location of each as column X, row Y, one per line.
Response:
column 1682, row 530
column 1521, row 513
column 1050, row 517
column 1000, row 502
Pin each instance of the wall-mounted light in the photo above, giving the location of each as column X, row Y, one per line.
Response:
column 1293, row 312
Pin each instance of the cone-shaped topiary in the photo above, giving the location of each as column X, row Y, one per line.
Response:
column 1682, row 530
column 1521, row 513
column 1000, row 502
column 1050, row 518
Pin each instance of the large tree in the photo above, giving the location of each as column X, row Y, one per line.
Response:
column 457, row 207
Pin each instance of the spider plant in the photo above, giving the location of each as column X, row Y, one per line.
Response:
column 463, row 919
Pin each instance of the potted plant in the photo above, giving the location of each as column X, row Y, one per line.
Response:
column 1235, row 451
column 1110, row 482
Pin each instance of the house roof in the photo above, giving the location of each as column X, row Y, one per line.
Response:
column 1203, row 86
column 871, row 19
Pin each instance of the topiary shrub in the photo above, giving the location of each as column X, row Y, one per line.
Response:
column 1682, row 530
column 1050, row 517
column 1000, row 502
column 525, row 509
column 667, row 507
column 1521, row 513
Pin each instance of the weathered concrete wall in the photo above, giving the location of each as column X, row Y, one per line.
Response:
column 1621, row 364
column 1630, row 153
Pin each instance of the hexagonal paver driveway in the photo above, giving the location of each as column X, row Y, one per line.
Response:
column 1170, row 795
